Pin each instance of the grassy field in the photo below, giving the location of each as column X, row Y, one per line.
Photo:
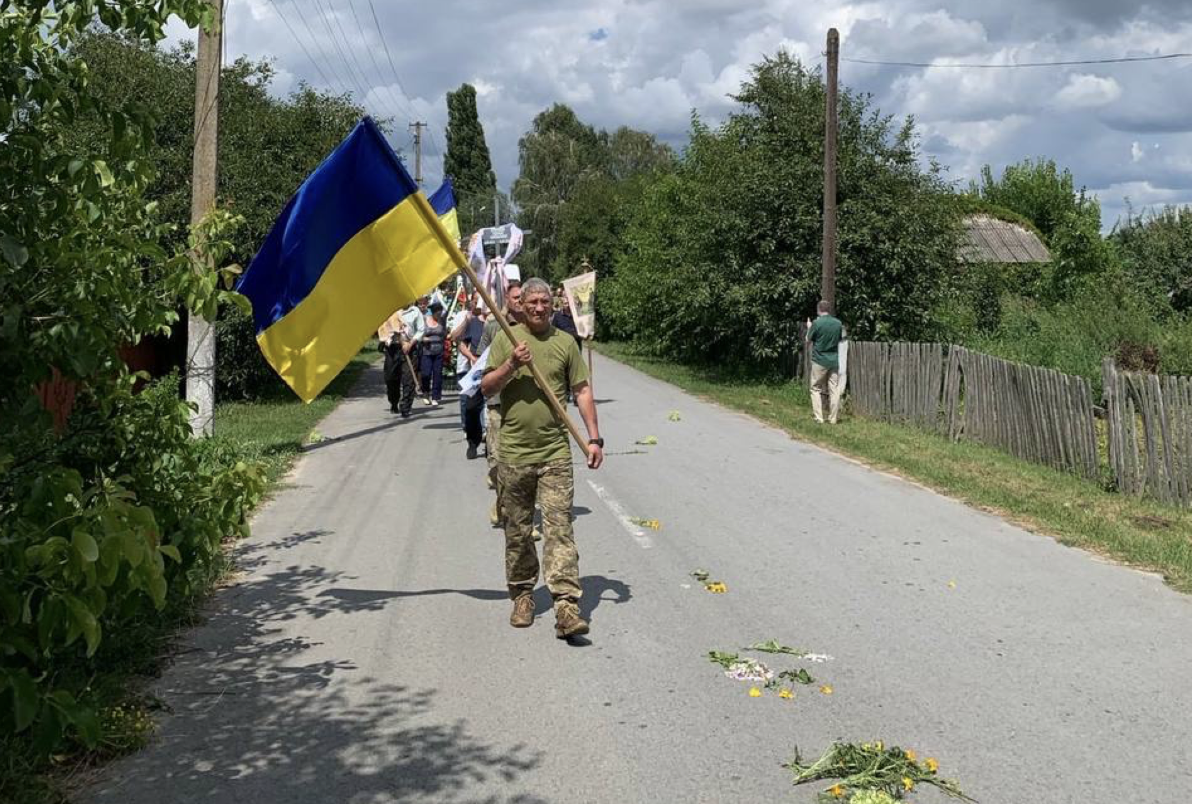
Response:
column 273, row 431
column 1138, row 532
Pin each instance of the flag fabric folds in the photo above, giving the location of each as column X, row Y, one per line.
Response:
column 356, row 242
column 443, row 203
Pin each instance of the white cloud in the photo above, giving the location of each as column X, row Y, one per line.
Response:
column 1088, row 91
column 658, row 59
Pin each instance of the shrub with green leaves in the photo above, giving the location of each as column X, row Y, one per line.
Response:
column 721, row 259
column 122, row 511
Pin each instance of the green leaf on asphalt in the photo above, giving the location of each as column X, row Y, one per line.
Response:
column 773, row 646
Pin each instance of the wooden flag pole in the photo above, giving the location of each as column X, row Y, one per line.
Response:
column 461, row 262
column 410, row 363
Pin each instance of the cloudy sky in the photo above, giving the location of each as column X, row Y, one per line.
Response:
column 1125, row 130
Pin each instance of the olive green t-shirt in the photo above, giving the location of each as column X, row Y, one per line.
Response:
column 530, row 433
column 825, row 338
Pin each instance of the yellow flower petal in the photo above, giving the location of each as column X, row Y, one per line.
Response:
column 785, row 693
column 931, row 764
column 826, row 689
column 951, row 584
column 836, row 791
column 910, row 754
column 907, row 784
column 754, row 692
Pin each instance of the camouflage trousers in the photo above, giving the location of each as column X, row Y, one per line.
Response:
column 552, row 484
column 492, row 445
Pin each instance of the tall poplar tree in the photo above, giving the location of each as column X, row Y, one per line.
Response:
column 467, row 161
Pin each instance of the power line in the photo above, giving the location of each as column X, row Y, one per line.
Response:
column 294, row 35
column 397, row 105
column 341, row 85
column 970, row 65
column 388, row 55
column 339, row 51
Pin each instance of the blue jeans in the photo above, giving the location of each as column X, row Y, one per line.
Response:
column 432, row 376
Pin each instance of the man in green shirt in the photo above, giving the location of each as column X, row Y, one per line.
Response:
column 824, row 338
column 534, row 462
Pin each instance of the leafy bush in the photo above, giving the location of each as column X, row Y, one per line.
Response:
column 1104, row 319
column 721, row 259
column 106, row 521
column 127, row 509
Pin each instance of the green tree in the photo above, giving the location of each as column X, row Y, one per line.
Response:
column 106, row 516
column 1068, row 219
column 1156, row 253
column 290, row 135
column 593, row 221
column 467, row 161
column 721, row 259
column 554, row 156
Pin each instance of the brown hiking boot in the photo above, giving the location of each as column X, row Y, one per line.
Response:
column 523, row 612
column 568, row 623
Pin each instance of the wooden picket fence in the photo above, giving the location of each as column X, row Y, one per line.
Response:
column 1033, row 413
column 1037, row 414
column 1149, row 433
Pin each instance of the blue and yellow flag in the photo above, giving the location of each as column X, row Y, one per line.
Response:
column 442, row 201
column 356, row 242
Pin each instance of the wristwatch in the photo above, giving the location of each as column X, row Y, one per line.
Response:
column 597, row 441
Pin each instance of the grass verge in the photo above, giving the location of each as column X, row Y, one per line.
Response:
column 270, row 432
column 1076, row 512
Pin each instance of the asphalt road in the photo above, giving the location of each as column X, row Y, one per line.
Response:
column 364, row 655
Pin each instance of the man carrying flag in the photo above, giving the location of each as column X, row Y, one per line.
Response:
column 356, row 242
column 534, row 463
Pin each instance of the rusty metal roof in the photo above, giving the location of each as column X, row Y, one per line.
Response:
column 988, row 239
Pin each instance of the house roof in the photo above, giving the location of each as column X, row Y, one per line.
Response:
column 988, row 239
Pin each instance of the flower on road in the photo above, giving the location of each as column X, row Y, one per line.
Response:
column 826, row 689
column 931, row 764
column 785, row 693
column 754, row 692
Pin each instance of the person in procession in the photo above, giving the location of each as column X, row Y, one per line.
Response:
column 433, row 345
column 467, row 332
column 492, row 435
column 824, row 339
column 399, row 338
column 534, row 463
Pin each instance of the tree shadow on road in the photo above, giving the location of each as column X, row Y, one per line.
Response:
column 260, row 714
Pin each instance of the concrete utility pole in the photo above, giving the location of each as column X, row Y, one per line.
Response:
column 828, row 279
column 200, row 334
column 418, row 125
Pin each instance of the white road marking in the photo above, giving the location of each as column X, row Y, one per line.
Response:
column 639, row 535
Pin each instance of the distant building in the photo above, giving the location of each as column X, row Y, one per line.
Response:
column 989, row 239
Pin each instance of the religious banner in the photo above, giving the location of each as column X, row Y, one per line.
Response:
column 581, row 298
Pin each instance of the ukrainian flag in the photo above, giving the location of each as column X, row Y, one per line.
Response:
column 356, row 242
column 443, row 203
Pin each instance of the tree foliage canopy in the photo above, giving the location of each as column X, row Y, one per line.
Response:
column 722, row 257
column 467, row 161
column 267, row 147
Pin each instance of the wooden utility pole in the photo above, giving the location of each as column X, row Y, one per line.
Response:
column 200, row 334
column 418, row 125
column 828, row 278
